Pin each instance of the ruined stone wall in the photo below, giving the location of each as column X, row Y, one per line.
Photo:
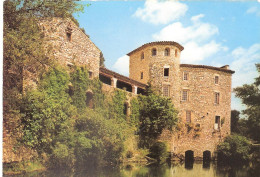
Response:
column 69, row 44
column 201, row 102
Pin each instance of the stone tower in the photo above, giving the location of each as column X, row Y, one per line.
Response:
column 159, row 64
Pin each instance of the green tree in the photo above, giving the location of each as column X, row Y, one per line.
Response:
column 117, row 105
column 234, row 121
column 102, row 60
column 99, row 139
column 47, row 111
column 235, row 149
column 24, row 55
column 156, row 113
column 80, row 84
column 250, row 96
column 159, row 151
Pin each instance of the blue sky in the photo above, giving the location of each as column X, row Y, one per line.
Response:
column 212, row 33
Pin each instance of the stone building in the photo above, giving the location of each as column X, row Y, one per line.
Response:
column 202, row 95
column 70, row 45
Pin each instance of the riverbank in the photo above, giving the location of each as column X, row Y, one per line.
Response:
column 16, row 168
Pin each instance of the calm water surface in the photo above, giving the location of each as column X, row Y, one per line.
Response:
column 197, row 169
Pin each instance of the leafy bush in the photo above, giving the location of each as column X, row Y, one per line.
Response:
column 159, row 152
column 234, row 149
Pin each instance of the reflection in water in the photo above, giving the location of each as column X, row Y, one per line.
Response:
column 198, row 169
column 206, row 164
column 189, row 165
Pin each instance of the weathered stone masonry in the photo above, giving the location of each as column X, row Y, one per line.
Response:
column 204, row 106
column 202, row 94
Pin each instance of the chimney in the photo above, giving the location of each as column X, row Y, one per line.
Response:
column 225, row 67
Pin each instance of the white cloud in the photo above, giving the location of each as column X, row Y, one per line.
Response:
column 198, row 31
column 122, row 65
column 194, row 53
column 197, row 17
column 161, row 12
column 197, row 39
column 254, row 10
column 244, row 64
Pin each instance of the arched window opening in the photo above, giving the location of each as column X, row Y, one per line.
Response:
column 154, row 52
column 89, row 99
column 126, row 107
column 189, row 159
column 189, row 156
column 142, row 55
column 69, row 33
column 176, row 52
column 206, row 155
column 71, row 90
column 167, row 52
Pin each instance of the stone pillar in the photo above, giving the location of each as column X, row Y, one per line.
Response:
column 113, row 82
column 134, row 89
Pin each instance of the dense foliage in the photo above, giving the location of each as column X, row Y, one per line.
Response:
column 53, row 117
column 235, row 121
column 159, row 152
column 156, row 114
column 24, row 53
column 47, row 111
column 67, row 130
column 234, row 149
column 250, row 96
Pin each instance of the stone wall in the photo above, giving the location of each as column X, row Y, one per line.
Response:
column 153, row 67
column 200, row 134
column 69, row 44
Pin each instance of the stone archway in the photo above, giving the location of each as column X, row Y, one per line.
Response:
column 189, row 159
column 206, row 155
column 189, row 156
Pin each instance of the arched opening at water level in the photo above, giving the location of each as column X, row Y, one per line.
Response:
column 206, row 156
column 189, row 159
column 206, row 159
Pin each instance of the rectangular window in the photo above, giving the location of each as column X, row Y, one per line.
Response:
column 142, row 75
column 166, row 90
column 166, row 72
column 216, row 79
column 188, row 116
column 185, row 76
column 185, row 95
column 216, row 98
column 217, row 123
column 68, row 36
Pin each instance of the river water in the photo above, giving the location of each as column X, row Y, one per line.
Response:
column 197, row 169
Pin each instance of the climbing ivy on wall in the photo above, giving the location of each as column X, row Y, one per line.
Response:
column 98, row 97
column 80, row 84
column 135, row 112
column 117, row 105
column 47, row 111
